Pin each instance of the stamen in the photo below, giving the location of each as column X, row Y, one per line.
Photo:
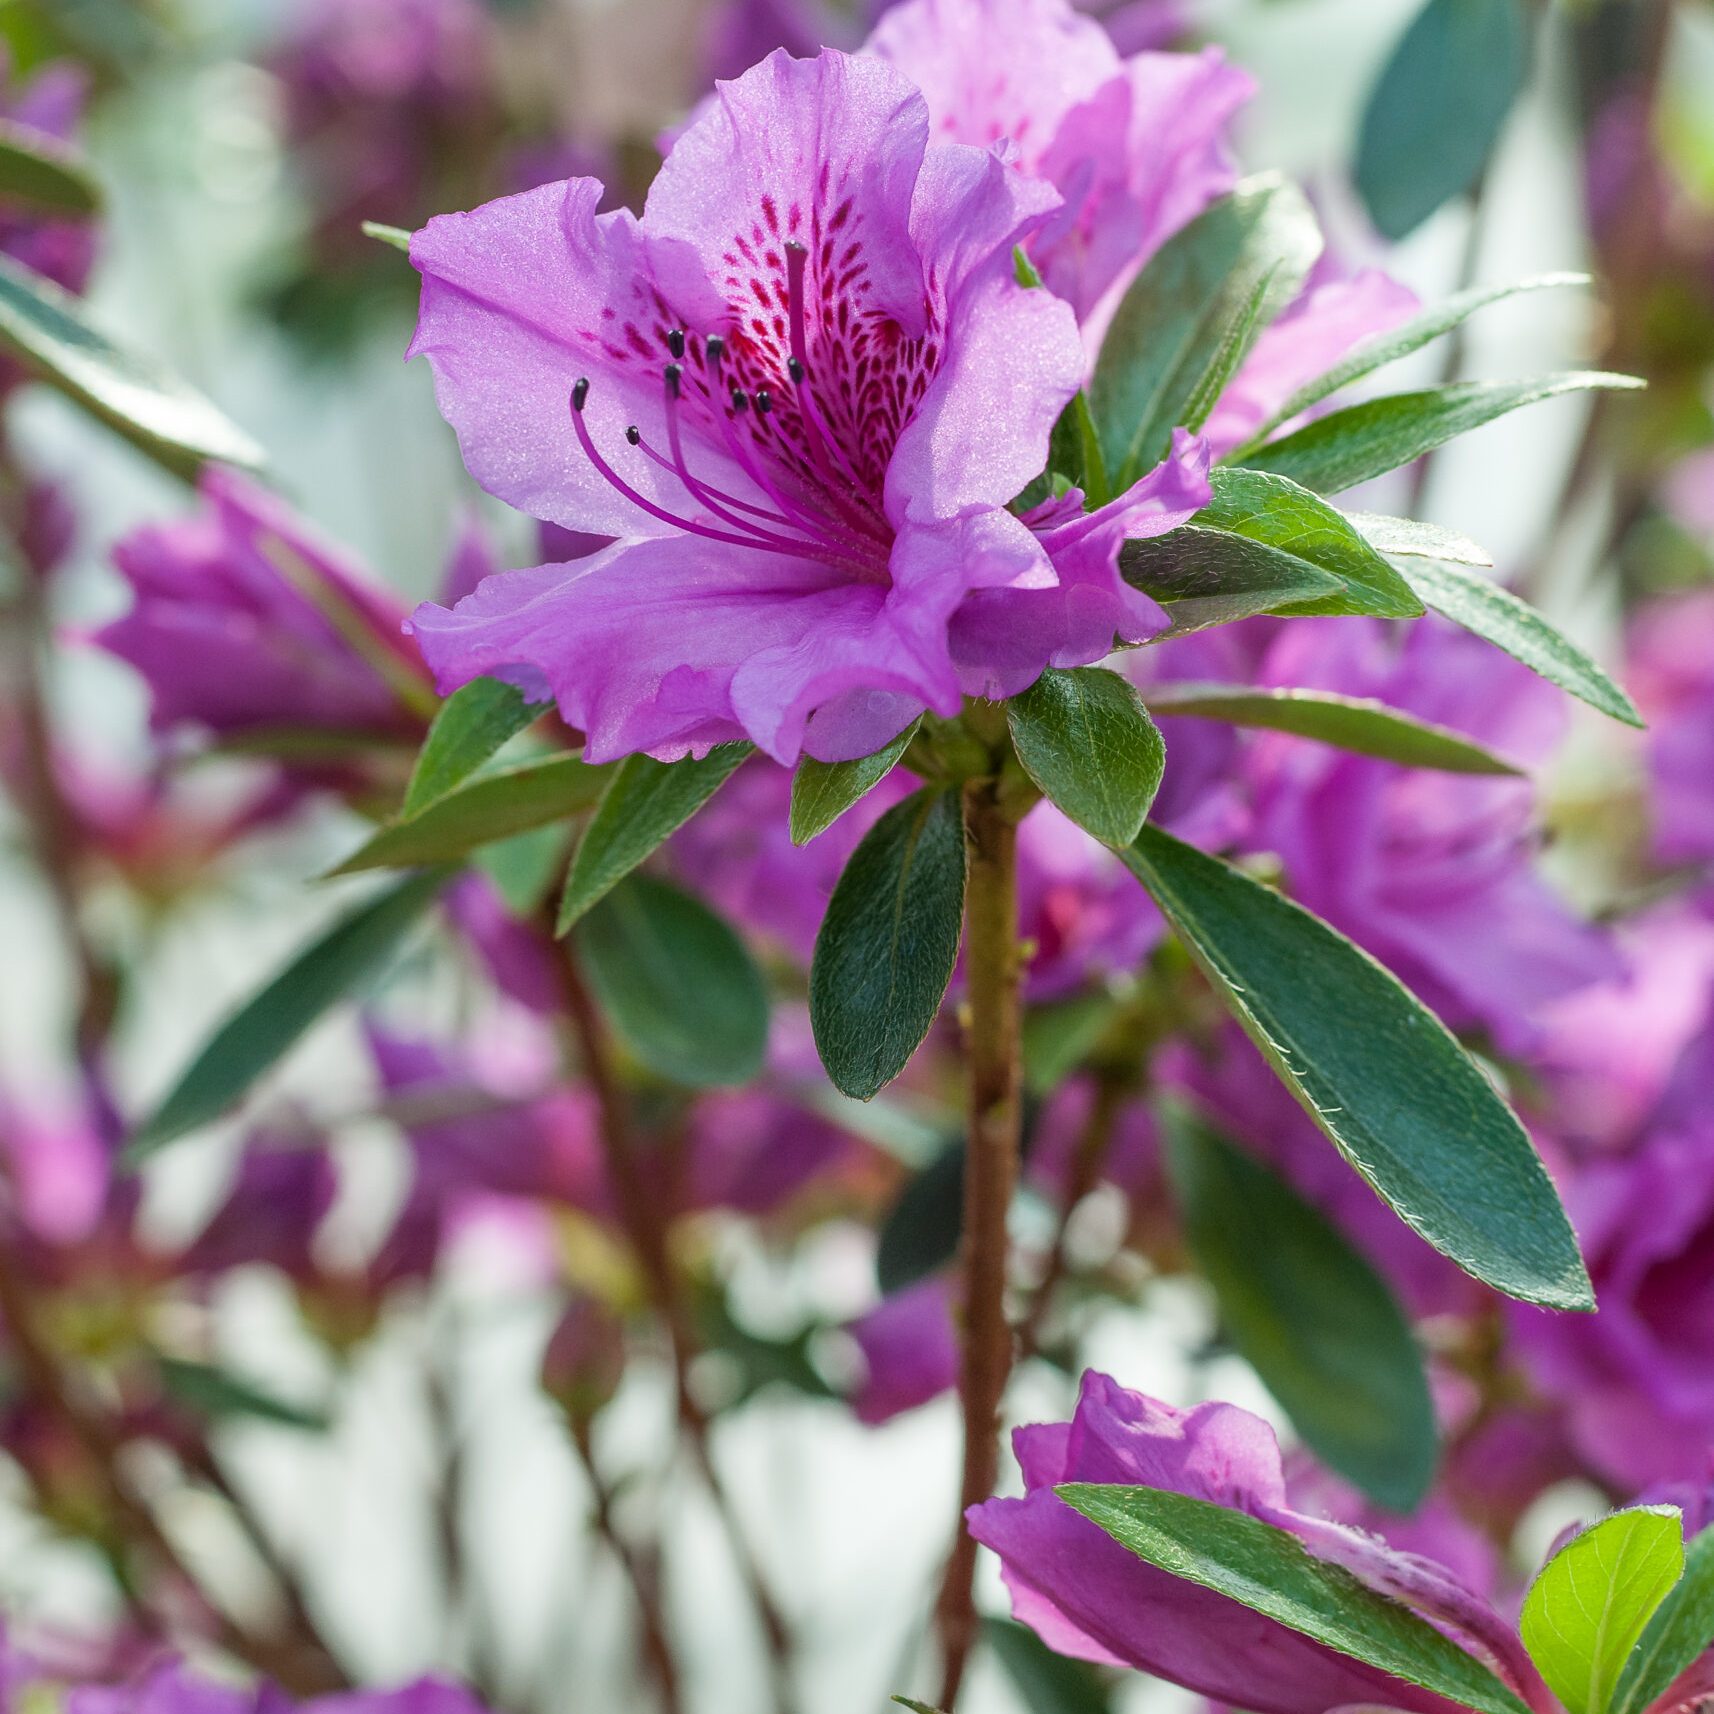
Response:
column 740, row 400
column 764, row 401
column 714, row 348
column 796, row 256
column 675, row 342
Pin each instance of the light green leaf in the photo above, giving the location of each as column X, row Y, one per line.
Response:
column 1311, row 1316
column 1680, row 1631
column 676, row 983
column 823, row 791
column 396, row 236
column 1588, row 1606
column 1271, row 1572
column 915, row 1707
column 264, row 1029
column 219, row 1394
column 1049, row 1683
column 1355, row 723
column 474, row 722
column 1377, row 1071
column 43, row 174
column 1437, row 108
column 1367, row 440
column 1237, row 265
column 1416, row 540
column 488, row 808
column 645, row 803
column 1085, row 738
column 1058, row 1037
column 888, row 943
column 1482, row 606
column 45, row 328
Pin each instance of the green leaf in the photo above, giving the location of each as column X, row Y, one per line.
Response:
column 1367, row 440
column 1049, row 1683
column 1085, row 738
column 1381, row 349
column 1356, row 723
column 1681, row 1629
column 676, row 983
column 888, row 943
column 1416, row 540
column 43, row 174
column 1211, row 577
column 265, row 1028
column 1377, row 1071
column 1237, row 265
column 915, row 1707
column 217, row 1393
column 1074, row 452
column 474, row 722
column 1057, row 1038
column 1588, row 1606
column 1482, row 606
column 44, row 327
column 397, row 236
column 920, row 1233
column 823, row 791
column 1272, row 1573
column 1311, row 1316
column 646, row 803
column 1436, row 109
column 488, row 808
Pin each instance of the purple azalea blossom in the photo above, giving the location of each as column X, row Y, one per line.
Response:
column 1671, row 664
column 270, row 1214
column 909, row 1346
column 802, row 390
column 1136, row 147
column 1086, row 1596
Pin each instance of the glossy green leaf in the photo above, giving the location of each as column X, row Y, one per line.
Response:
column 823, row 791
column 1416, row 540
column 920, row 1233
column 1272, row 1573
column 1437, row 107
column 347, row 958
column 1049, row 1683
column 45, row 328
column 1355, row 723
column 1205, row 578
column 44, row 175
column 1482, row 606
column 1681, row 1630
column 1377, row 1071
column 888, row 943
column 488, row 808
column 645, row 803
column 1311, row 1316
column 474, row 722
column 1589, row 1605
column 1380, row 349
column 676, row 983
column 1085, row 738
column 1367, row 440
column 1180, row 316
column 220, row 1395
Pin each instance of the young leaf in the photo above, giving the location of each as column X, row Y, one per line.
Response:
column 1416, row 540
column 1681, row 1630
column 1086, row 739
column 489, row 808
column 676, row 983
column 396, row 236
column 1355, row 723
column 1380, row 349
column 1270, row 1572
column 44, row 327
column 1437, row 108
column 920, row 1233
column 1181, row 315
column 1211, row 577
column 218, row 1394
column 1311, row 1316
column 1589, row 1604
column 41, row 173
column 1377, row 1071
column 915, row 1707
column 1367, row 440
column 265, row 1028
column 645, row 803
column 1482, row 606
column 888, row 943
column 823, row 791
column 474, row 722
column 1049, row 1683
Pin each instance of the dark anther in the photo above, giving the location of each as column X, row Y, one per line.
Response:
column 796, row 370
column 764, row 401
column 715, row 347
column 675, row 341
column 579, row 392
column 740, row 399
column 798, row 245
column 633, row 434
column 672, row 373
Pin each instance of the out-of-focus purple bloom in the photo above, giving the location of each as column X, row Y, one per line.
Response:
column 909, row 1345
column 1671, row 666
column 270, row 1214
column 1087, row 1596
column 169, row 1687
column 50, row 104
column 805, row 504
column 240, row 622
column 517, row 960
column 751, row 1151
column 1135, row 147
